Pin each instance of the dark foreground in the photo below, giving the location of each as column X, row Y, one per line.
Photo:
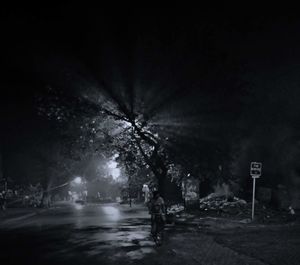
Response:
column 114, row 234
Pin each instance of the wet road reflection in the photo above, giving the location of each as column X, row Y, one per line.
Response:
column 113, row 213
column 73, row 232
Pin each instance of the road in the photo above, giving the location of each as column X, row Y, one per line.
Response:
column 117, row 234
column 78, row 234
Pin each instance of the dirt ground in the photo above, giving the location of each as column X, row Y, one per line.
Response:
column 251, row 244
column 270, row 244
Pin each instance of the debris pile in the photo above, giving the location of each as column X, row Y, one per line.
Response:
column 222, row 203
column 231, row 206
column 175, row 209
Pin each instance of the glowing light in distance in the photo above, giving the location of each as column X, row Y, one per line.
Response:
column 78, row 180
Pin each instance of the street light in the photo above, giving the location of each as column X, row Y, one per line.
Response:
column 77, row 180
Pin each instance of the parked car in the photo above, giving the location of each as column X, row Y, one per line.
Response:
column 80, row 202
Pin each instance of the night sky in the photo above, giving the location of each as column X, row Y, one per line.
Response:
column 70, row 47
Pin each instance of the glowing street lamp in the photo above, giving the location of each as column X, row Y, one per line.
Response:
column 77, row 180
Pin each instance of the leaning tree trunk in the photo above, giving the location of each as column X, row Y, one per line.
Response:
column 155, row 161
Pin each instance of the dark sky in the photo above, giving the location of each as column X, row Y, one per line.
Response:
column 38, row 44
column 41, row 44
column 66, row 45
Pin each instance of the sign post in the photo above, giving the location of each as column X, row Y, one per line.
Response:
column 255, row 172
column 253, row 198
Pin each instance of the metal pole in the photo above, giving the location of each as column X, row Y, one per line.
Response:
column 253, row 198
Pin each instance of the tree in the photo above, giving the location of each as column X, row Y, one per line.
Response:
column 143, row 100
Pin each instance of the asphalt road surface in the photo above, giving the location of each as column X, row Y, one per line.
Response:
column 117, row 234
column 78, row 234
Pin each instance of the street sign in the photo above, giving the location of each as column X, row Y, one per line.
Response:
column 255, row 172
column 255, row 169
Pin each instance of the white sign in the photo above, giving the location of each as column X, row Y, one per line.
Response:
column 255, row 169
